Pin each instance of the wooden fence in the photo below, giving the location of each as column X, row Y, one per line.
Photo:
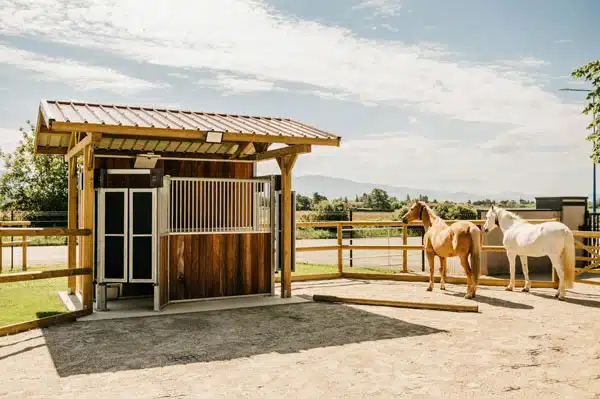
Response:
column 72, row 271
column 592, row 258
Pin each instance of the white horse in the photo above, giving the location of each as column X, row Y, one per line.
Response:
column 524, row 239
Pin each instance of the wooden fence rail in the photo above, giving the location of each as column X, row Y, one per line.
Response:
column 591, row 260
column 84, row 271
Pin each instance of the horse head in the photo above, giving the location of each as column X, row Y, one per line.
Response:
column 491, row 220
column 415, row 212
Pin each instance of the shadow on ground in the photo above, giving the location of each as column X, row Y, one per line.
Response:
column 138, row 343
column 577, row 301
column 492, row 301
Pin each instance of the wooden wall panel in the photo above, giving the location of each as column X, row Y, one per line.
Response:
column 218, row 265
column 185, row 168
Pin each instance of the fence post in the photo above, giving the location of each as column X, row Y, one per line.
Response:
column 24, row 253
column 351, row 236
column 339, row 243
column 404, row 251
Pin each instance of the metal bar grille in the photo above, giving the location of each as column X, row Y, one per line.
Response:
column 208, row 206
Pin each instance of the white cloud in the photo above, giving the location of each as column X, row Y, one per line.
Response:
column 264, row 46
column 563, row 41
column 389, row 27
column 525, row 62
column 230, row 84
column 70, row 72
column 380, row 7
column 178, row 75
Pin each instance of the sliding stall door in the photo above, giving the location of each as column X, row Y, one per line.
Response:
column 112, row 240
column 142, row 235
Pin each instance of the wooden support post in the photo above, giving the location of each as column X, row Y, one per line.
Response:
column 88, row 223
column 72, row 222
column 24, row 254
column 405, row 252
column 286, row 164
column 340, row 248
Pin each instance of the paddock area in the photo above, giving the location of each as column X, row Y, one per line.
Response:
column 519, row 345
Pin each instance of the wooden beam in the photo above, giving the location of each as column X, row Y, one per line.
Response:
column 241, row 149
column 312, row 277
column 188, row 134
column 281, row 152
column 286, row 164
column 43, row 322
column 78, row 148
column 72, row 221
column 88, row 223
column 493, row 282
column 44, row 274
column 43, row 231
column 397, row 304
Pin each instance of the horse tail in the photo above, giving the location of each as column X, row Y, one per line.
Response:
column 476, row 244
column 568, row 259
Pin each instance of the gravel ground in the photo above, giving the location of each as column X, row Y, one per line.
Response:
column 519, row 346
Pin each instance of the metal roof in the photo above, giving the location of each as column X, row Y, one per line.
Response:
column 144, row 128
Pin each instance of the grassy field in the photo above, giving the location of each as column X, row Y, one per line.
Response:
column 311, row 268
column 28, row 300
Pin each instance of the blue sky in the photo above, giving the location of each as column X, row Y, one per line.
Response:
column 457, row 96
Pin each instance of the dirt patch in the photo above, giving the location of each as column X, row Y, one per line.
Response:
column 519, row 346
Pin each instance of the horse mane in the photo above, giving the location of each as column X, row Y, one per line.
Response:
column 511, row 214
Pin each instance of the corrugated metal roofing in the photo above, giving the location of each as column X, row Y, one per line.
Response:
column 144, row 117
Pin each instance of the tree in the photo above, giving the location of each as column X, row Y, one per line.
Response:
column 379, row 200
column 33, row 182
column 591, row 73
column 303, row 203
column 318, row 198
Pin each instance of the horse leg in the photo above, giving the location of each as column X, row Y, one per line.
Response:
column 431, row 260
column 443, row 273
column 560, row 272
column 464, row 261
column 512, row 259
column 525, row 273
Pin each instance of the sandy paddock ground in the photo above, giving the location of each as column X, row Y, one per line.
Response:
column 519, row 346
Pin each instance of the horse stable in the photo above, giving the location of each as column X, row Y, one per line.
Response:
column 174, row 201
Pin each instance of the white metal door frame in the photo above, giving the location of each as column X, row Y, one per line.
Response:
column 102, row 234
column 153, row 235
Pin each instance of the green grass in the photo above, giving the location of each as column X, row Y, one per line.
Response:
column 28, row 300
column 311, row 268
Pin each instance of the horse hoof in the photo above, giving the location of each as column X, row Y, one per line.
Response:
column 525, row 289
column 556, row 295
column 443, row 288
column 429, row 288
column 561, row 298
column 508, row 289
column 469, row 296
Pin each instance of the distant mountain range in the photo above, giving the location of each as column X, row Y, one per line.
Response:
column 332, row 187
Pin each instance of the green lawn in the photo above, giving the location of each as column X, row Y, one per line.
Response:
column 29, row 300
column 310, row 268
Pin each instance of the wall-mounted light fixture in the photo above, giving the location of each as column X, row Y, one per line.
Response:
column 214, row 137
column 146, row 161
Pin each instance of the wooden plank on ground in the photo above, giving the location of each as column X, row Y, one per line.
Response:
column 28, row 276
column 43, row 322
column 397, row 304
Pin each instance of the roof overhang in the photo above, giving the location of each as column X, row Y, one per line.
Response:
column 54, row 134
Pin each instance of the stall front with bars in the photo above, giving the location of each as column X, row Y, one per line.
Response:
column 187, row 238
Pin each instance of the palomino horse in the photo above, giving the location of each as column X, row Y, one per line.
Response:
column 524, row 239
column 447, row 241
